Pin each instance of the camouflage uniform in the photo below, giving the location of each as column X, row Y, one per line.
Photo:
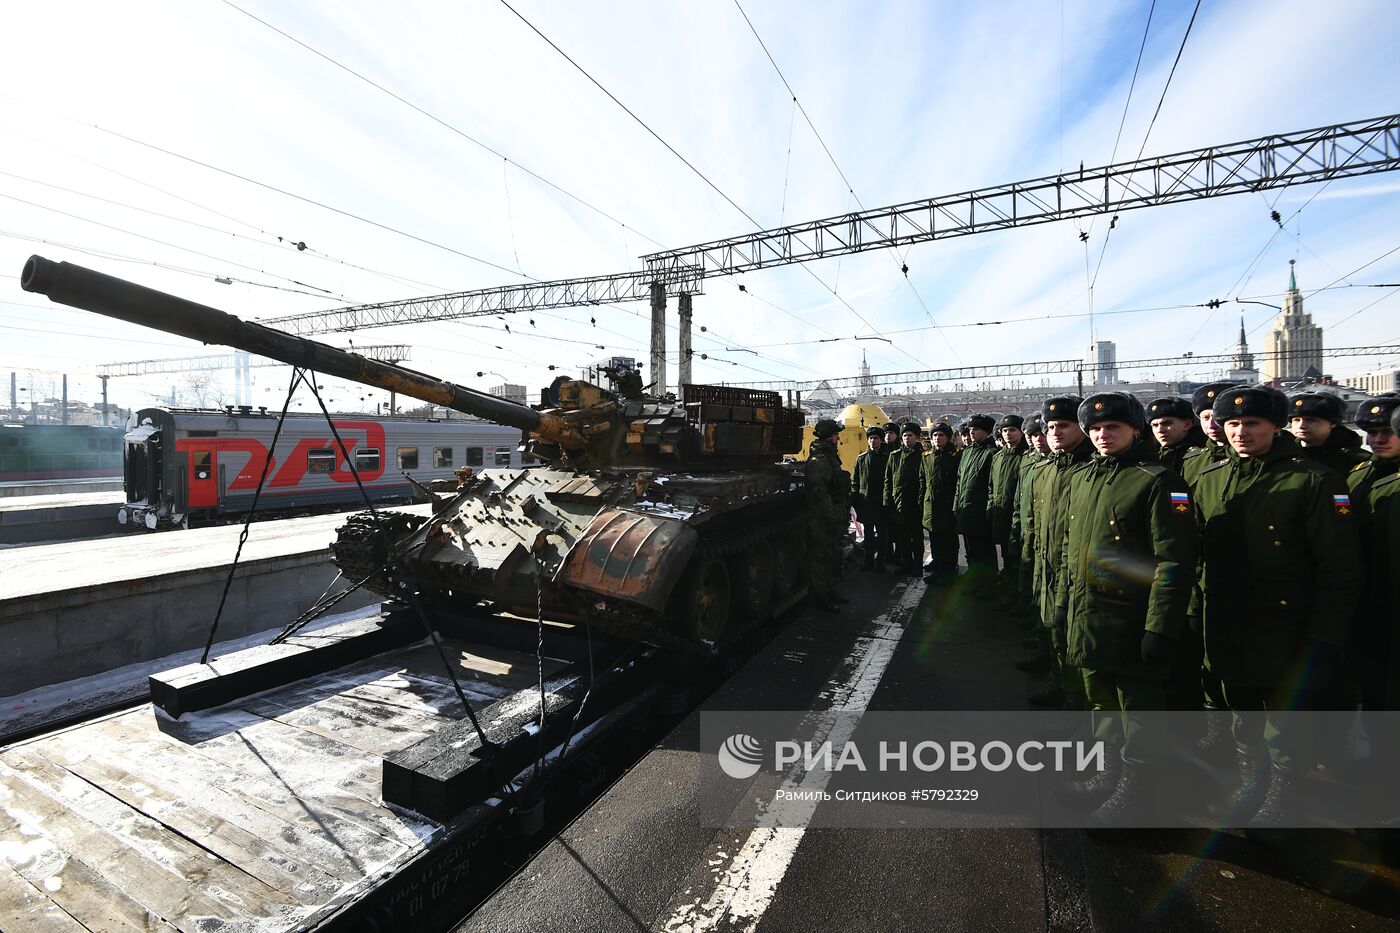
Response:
column 827, row 487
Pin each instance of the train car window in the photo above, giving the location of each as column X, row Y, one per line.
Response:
column 203, row 463
column 442, row 457
column 503, row 456
column 474, row 457
column 408, row 458
column 367, row 460
column 321, row 460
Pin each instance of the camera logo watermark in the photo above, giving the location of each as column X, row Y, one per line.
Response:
column 741, row 756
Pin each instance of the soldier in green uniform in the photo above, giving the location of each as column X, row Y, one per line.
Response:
column 868, row 497
column 940, row 484
column 891, row 438
column 1021, row 518
column 1315, row 418
column 1049, row 514
column 1001, row 500
column 904, row 499
column 1175, row 427
column 1375, row 493
column 828, row 489
column 970, row 501
column 1215, row 447
column 1280, row 576
column 1127, row 565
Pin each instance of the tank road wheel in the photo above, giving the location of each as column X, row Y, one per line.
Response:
column 701, row 603
column 751, row 574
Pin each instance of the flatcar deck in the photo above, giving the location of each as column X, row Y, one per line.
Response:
column 263, row 814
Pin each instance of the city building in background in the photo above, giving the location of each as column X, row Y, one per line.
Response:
column 1105, row 363
column 1295, row 343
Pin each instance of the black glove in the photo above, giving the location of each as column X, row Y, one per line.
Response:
column 1061, row 619
column 1156, row 649
column 1194, row 624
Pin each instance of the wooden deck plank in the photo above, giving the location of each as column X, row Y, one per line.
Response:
column 361, row 721
column 221, row 834
column 24, row 906
column 70, row 883
column 287, row 767
column 175, row 878
column 209, row 785
column 484, row 664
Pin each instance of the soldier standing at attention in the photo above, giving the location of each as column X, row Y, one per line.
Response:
column 1375, row 491
column 1315, row 418
column 1126, row 571
column 827, row 487
column 904, row 500
column 868, row 497
column 970, row 501
column 1174, row 425
column 1021, row 518
column 1215, row 448
column 1001, row 500
column 1280, row 577
column 940, row 485
column 1050, row 513
column 891, row 438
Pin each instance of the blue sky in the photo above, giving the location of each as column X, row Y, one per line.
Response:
column 912, row 99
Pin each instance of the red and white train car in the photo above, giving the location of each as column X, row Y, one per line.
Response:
column 186, row 466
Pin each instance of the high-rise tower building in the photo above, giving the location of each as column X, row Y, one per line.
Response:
column 1105, row 363
column 1295, row 343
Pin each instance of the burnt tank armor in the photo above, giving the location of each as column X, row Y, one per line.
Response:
column 671, row 522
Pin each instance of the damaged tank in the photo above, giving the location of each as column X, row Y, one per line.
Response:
column 661, row 520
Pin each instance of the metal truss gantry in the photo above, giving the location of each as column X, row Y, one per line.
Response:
column 388, row 352
column 1277, row 161
column 1338, row 151
column 1039, row 368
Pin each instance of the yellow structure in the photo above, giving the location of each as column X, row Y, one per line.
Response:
column 850, row 443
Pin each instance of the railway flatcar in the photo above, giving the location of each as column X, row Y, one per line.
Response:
column 184, row 467
column 58, row 451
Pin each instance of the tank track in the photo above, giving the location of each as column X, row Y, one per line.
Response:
column 363, row 546
column 665, row 636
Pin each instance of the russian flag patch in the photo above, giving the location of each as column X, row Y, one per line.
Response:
column 1181, row 501
column 1342, row 503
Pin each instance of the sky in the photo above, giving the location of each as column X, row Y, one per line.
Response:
column 419, row 148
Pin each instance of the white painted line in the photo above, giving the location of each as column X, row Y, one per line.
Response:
column 746, row 882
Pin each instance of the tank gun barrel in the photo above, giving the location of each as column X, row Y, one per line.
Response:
column 80, row 287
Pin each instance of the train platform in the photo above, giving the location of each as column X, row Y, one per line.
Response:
column 54, row 487
column 80, row 608
column 59, row 516
column 641, row 858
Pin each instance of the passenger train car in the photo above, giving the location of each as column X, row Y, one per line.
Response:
column 58, row 451
column 186, row 466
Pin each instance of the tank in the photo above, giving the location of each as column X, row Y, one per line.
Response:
column 673, row 522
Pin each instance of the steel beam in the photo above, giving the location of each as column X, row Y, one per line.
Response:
column 1337, row 151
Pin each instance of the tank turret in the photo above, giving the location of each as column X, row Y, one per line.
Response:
column 667, row 520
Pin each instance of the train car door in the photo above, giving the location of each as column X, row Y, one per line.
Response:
column 203, row 484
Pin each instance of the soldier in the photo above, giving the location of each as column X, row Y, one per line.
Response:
column 1315, row 418
column 1215, row 448
column 940, row 486
column 1001, row 500
column 1064, row 685
column 891, row 438
column 1375, row 492
column 1174, row 425
column 868, row 497
column 1020, row 520
column 827, row 487
column 904, row 500
column 1280, row 575
column 970, row 501
column 1126, row 570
